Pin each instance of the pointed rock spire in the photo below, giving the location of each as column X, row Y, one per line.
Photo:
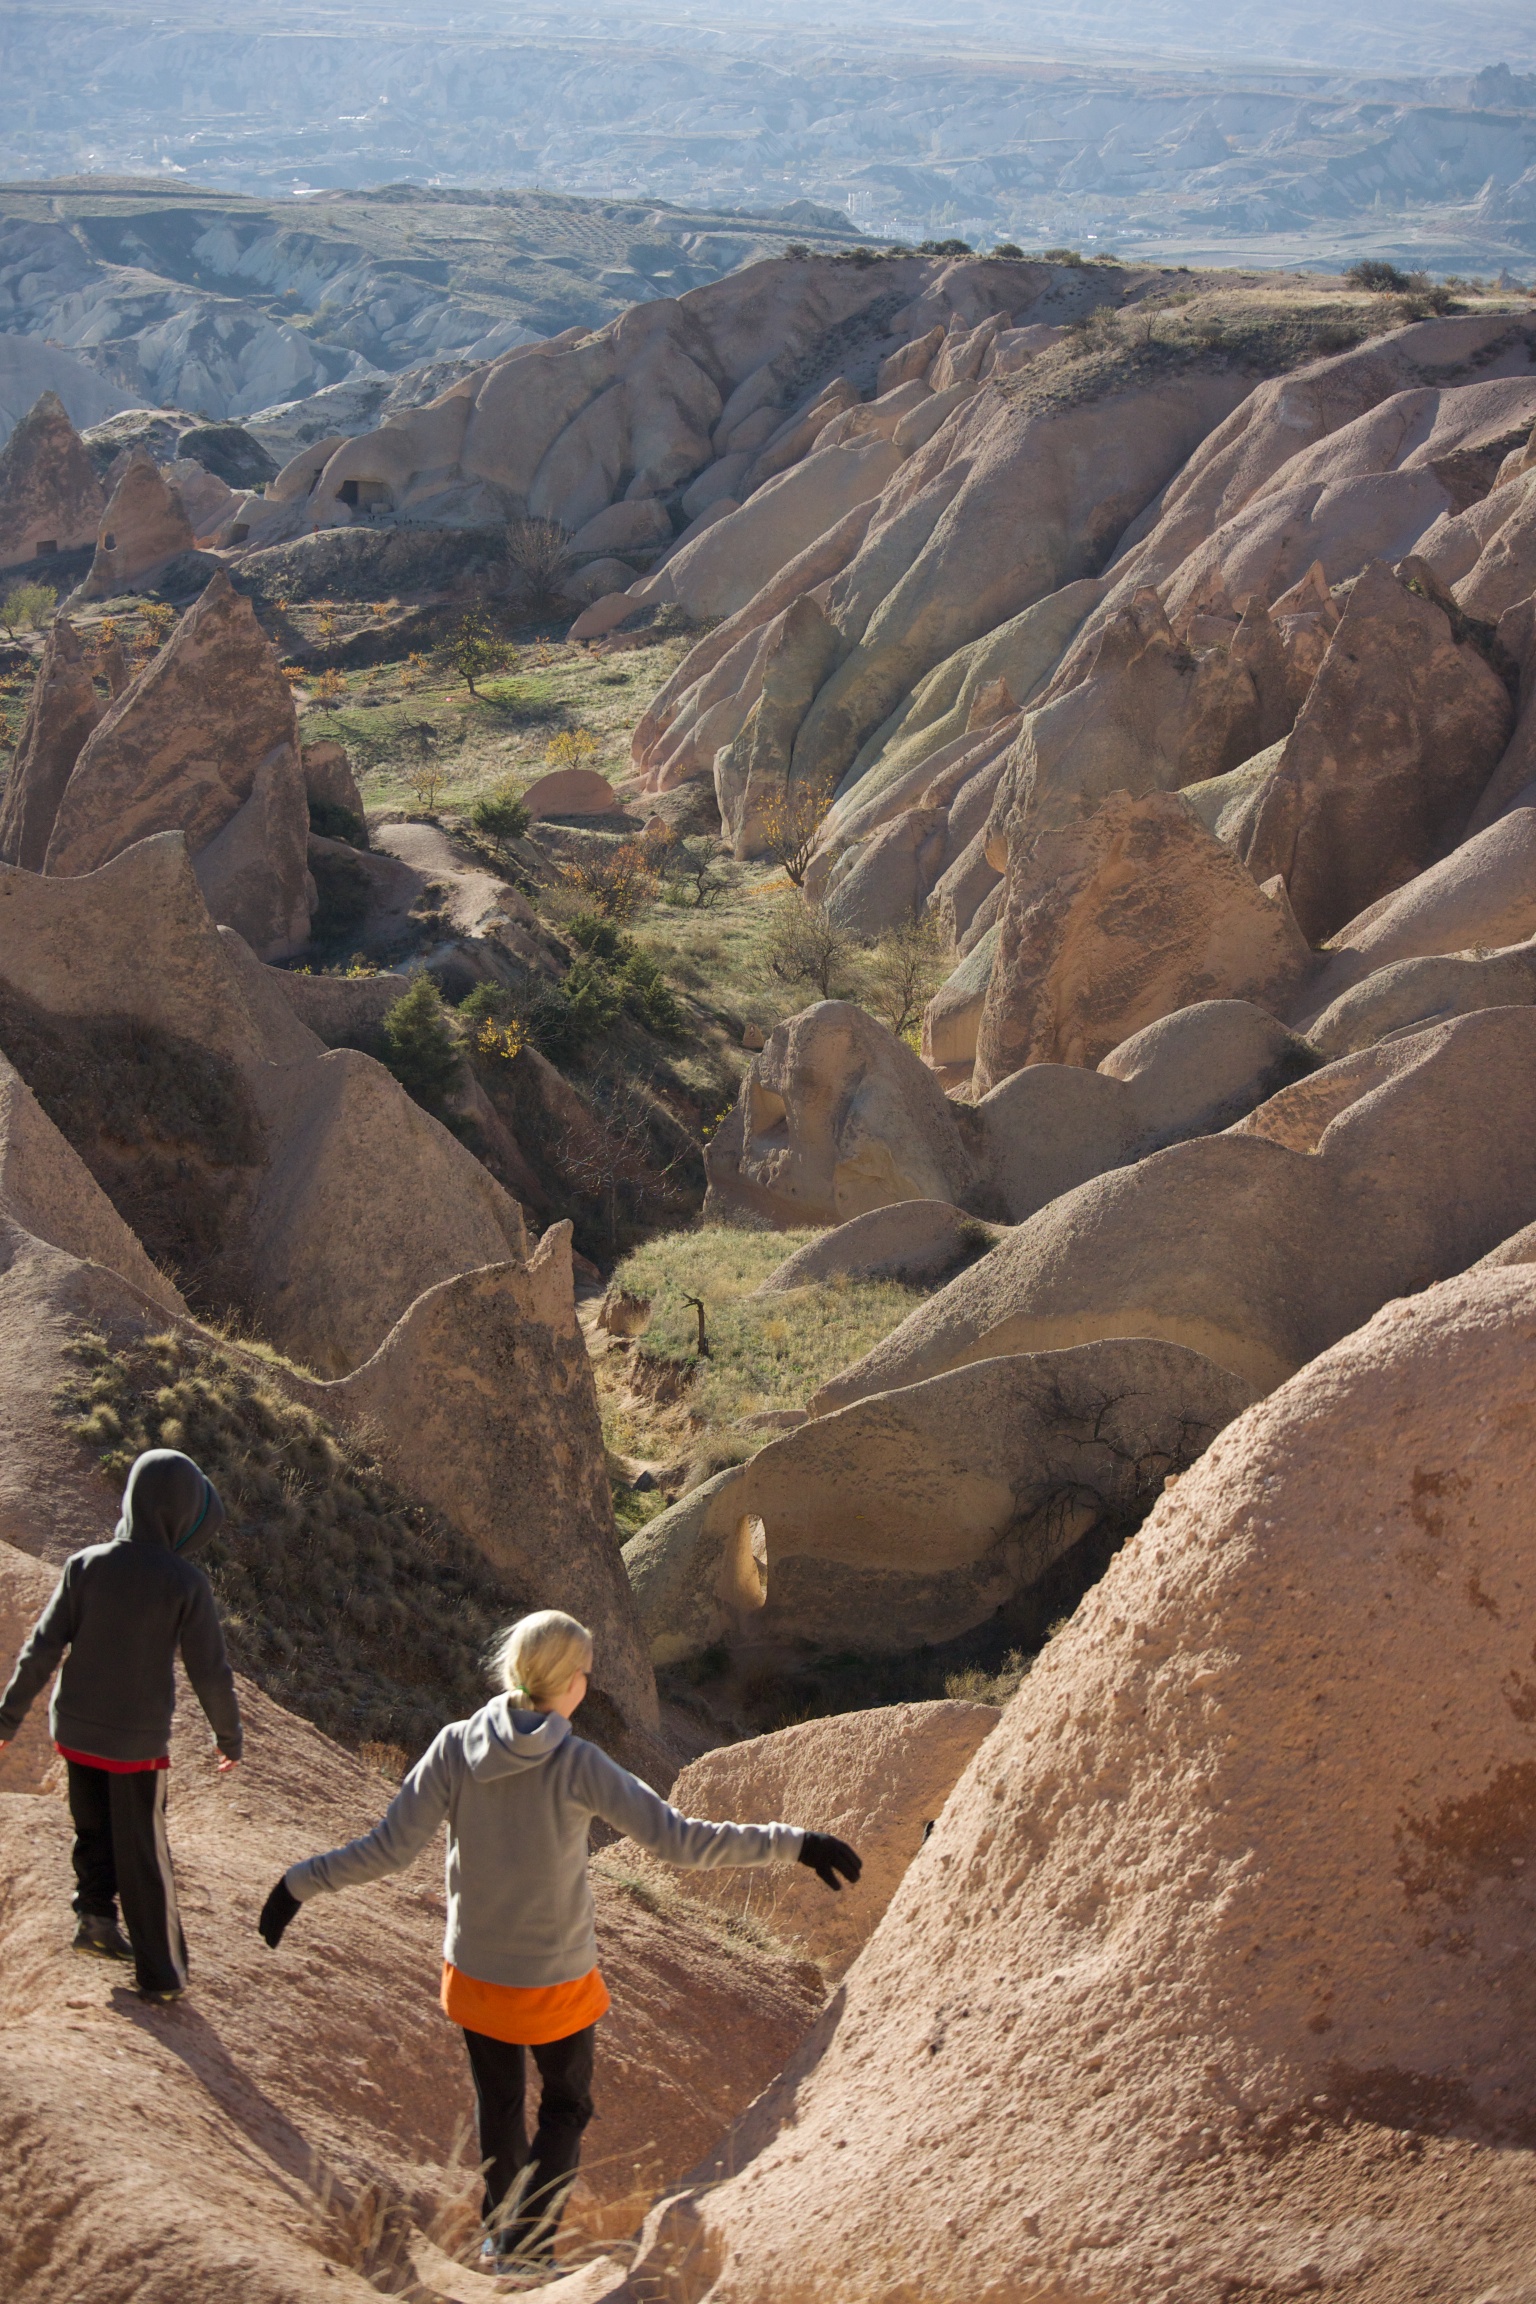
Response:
column 50, row 497
column 63, row 712
column 143, row 529
column 203, row 742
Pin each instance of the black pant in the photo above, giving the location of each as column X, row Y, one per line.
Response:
column 565, row 2107
column 121, row 1852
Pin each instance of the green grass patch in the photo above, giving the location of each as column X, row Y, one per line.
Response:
column 764, row 1352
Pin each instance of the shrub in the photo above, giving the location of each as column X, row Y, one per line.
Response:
column 474, row 650
column 329, row 692
column 27, row 606
column 808, row 951
column 1007, row 248
column 572, row 748
column 1063, row 256
column 903, row 972
column 427, row 783
column 568, row 1017
column 500, row 817
column 616, row 880
column 945, row 248
column 330, row 821
column 540, row 554
column 791, row 819
column 1378, row 276
column 420, row 1047
column 345, row 895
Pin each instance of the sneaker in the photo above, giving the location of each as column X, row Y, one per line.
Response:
column 166, row 1999
column 100, row 1935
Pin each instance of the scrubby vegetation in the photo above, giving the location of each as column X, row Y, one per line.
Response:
column 765, row 1353
column 167, row 1129
column 344, row 1601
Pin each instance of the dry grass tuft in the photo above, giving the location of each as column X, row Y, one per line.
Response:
column 343, row 1600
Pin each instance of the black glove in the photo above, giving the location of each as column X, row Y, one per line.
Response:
column 826, row 1857
column 279, row 1908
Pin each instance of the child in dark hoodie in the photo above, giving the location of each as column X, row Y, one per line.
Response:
column 519, row 1789
column 122, row 1611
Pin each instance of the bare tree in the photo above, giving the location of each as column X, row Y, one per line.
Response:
column 806, row 947
column 791, row 818
column 903, row 972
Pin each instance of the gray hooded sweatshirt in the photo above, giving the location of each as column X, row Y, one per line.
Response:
column 519, row 1791
column 122, row 1611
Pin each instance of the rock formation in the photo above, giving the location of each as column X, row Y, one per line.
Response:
column 334, row 1201
column 50, row 497
column 1213, row 1970
column 203, row 741
column 1258, row 1255
column 836, row 1117
column 143, row 530
column 915, row 1516
column 439, row 1393
column 1116, row 922
column 1402, row 729
column 877, row 1779
column 63, row 712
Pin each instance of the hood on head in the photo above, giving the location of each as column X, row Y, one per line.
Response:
column 501, row 1742
column 169, row 1501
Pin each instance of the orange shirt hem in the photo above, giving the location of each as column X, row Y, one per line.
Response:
column 527, row 2016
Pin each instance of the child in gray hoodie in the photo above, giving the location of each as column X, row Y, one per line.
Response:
column 519, row 1789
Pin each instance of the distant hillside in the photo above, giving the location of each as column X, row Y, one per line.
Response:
column 222, row 304
column 1267, row 131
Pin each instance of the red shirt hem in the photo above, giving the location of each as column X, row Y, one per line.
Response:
column 112, row 1767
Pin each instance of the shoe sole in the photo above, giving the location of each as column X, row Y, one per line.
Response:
column 100, row 1952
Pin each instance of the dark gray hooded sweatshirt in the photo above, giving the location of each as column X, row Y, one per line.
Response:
column 118, row 1616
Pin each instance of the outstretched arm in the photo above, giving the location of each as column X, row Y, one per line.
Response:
column 630, row 1806
column 401, row 1833
column 39, row 1659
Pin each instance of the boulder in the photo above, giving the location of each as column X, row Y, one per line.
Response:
column 911, row 1518
column 914, row 1242
column 1481, row 897
column 878, row 1779
column 330, row 788
column 886, row 881
column 1256, row 1255
column 570, row 792
column 835, row 1117
column 640, row 525
column 1050, row 1127
column 205, row 742
column 1115, row 922
column 143, row 529
column 596, row 581
column 1407, row 993
column 1402, row 730
column 1307, row 1680
column 952, row 1018
column 1202, row 1067
column 438, row 1392
column 63, row 711
column 50, row 497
